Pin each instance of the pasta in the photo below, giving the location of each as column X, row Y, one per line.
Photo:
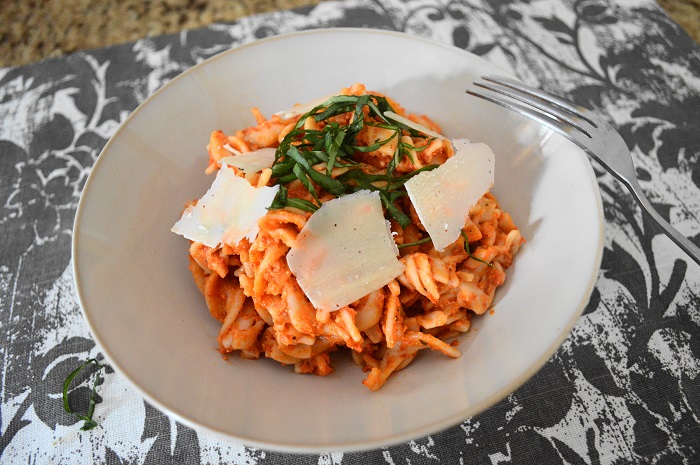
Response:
column 249, row 287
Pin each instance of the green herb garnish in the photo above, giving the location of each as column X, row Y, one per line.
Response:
column 281, row 201
column 390, row 188
column 89, row 423
column 411, row 244
column 303, row 152
column 466, row 249
column 403, row 150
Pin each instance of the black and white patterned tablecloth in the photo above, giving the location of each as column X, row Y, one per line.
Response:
column 623, row 388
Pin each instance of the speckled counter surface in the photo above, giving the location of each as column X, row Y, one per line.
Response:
column 34, row 29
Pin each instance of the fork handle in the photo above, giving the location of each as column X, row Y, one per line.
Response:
column 681, row 241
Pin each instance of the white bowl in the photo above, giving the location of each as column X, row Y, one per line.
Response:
column 152, row 324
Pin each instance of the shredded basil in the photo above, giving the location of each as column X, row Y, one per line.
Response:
column 411, row 244
column 335, row 145
column 89, row 423
column 281, row 200
column 466, row 249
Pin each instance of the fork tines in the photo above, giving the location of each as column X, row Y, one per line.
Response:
column 544, row 108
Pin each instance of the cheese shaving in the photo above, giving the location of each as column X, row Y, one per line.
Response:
column 301, row 109
column 443, row 197
column 412, row 124
column 345, row 251
column 251, row 162
column 228, row 212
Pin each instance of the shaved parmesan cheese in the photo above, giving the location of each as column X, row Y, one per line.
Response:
column 228, row 212
column 443, row 197
column 412, row 124
column 345, row 251
column 251, row 162
column 301, row 109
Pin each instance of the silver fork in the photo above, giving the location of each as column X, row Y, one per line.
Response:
column 584, row 128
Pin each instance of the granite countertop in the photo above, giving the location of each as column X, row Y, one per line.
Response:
column 34, row 29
